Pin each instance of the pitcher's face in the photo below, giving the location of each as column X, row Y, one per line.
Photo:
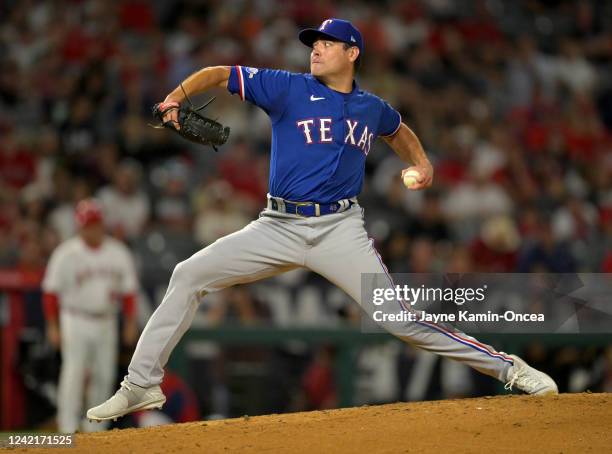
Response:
column 331, row 57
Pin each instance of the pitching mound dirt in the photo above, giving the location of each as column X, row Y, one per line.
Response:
column 561, row 424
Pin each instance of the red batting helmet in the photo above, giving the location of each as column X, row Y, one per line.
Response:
column 88, row 211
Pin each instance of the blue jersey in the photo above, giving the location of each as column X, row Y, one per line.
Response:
column 320, row 137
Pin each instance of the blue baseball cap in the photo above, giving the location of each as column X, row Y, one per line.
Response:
column 337, row 29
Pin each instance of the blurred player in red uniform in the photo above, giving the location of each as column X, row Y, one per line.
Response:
column 86, row 277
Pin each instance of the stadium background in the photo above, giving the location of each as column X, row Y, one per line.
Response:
column 512, row 101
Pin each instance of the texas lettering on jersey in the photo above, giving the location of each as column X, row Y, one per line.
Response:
column 324, row 132
column 320, row 137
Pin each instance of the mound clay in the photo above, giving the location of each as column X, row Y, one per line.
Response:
column 561, row 424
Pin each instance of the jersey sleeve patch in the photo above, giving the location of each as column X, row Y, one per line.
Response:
column 266, row 88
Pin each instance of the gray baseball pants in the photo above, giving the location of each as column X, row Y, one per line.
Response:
column 336, row 246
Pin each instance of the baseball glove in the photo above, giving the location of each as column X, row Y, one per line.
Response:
column 193, row 125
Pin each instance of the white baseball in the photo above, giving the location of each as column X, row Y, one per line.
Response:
column 411, row 178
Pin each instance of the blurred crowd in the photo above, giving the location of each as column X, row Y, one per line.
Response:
column 511, row 100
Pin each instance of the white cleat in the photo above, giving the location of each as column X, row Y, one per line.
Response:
column 529, row 380
column 128, row 399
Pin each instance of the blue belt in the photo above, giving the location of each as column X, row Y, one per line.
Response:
column 309, row 209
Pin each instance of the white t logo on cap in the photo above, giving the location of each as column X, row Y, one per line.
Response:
column 324, row 24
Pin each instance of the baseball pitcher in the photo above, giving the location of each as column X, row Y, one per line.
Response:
column 323, row 127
